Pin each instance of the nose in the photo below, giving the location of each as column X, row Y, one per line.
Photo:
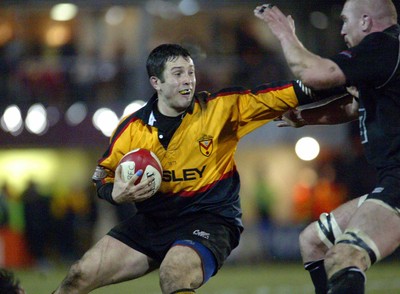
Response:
column 342, row 31
column 188, row 78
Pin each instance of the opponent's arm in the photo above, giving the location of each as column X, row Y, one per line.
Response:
column 330, row 111
column 314, row 71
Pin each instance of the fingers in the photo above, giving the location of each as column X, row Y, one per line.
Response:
column 144, row 189
column 262, row 8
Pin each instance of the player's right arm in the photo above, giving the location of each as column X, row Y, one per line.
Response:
column 326, row 112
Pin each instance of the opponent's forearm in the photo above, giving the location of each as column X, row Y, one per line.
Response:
column 297, row 56
column 314, row 71
column 336, row 111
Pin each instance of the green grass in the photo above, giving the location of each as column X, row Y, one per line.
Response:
column 274, row 278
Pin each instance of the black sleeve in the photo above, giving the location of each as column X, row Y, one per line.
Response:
column 306, row 95
column 372, row 61
column 337, row 91
column 104, row 191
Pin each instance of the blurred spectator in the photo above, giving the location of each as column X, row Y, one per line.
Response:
column 317, row 191
column 73, row 215
column 84, row 76
column 328, row 193
column 37, row 221
column 4, row 210
column 68, row 56
column 10, row 57
column 264, row 197
column 303, row 195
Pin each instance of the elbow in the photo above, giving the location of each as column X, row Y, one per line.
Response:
column 316, row 83
column 321, row 80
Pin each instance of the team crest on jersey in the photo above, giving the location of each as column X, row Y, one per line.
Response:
column 206, row 145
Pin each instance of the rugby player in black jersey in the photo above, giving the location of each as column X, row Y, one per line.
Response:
column 339, row 247
column 191, row 225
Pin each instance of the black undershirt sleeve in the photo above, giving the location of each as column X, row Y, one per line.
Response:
column 306, row 95
column 104, row 192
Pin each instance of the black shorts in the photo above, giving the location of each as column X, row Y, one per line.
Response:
column 388, row 190
column 154, row 237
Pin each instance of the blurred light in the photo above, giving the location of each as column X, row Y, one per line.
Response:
column 57, row 35
column 307, row 148
column 115, row 15
column 63, row 12
column 132, row 107
column 105, row 120
column 6, row 33
column 161, row 8
column 36, row 119
column 53, row 115
column 319, row 20
column 189, row 7
column 76, row 113
column 11, row 121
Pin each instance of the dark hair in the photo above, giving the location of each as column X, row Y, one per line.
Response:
column 8, row 283
column 159, row 56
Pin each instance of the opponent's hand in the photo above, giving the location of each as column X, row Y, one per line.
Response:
column 124, row 192
column 280, row 25
column 291, row 118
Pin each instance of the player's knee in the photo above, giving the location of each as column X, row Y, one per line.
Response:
column 327, row 229
column 75, row 279
column 179, row 273
column 342, row 256
column 308, row 237
column 317, row 237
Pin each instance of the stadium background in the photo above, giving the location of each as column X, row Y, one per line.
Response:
column 57, row 72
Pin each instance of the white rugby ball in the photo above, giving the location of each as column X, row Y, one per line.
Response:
column 145, row 160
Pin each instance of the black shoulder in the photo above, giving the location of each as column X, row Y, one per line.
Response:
column 229, row 91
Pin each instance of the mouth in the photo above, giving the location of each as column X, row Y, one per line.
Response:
column 185, row 92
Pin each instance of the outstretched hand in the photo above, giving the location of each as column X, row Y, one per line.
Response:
column 291, row 118
column 129, row 192
column 280, row 25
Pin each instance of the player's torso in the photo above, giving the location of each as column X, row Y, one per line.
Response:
column 199, row 153
column 374, row 69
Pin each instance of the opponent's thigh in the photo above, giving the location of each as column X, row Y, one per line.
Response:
column 380, row 224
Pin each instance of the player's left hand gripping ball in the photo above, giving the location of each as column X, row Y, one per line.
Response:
column 145, row 160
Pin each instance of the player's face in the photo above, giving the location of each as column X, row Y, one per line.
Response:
column 352, row 29
column 176, row 92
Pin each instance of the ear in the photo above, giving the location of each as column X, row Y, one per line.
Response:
column 366, row 23
column 154, row 81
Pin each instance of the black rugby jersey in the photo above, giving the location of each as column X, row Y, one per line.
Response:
column 373, row 67
column 199, row 168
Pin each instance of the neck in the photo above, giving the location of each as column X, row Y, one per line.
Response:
column 167, row 111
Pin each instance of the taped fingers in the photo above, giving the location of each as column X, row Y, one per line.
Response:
column 265, row 7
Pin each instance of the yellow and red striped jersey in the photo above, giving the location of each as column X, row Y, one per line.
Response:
column 199, row 167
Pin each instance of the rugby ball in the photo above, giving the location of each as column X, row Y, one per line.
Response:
column 145, row 160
